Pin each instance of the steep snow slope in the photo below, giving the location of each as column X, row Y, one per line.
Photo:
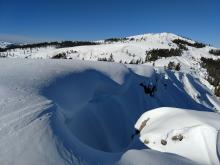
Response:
column 191, row 134
column 78, row 112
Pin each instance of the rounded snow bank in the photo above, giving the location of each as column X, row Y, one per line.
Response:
column 191, row 134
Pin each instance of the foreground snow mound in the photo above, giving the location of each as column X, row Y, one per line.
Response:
column 152, row 157
column 191, row 134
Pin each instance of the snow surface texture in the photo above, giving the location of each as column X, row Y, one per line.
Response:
column 81, row 112
column 191, row 134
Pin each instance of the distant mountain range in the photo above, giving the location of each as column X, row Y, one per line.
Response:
column 4, row 44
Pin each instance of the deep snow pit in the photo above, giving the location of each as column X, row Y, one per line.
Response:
column 97, row 110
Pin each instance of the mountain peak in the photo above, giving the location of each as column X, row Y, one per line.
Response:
column 160, row 36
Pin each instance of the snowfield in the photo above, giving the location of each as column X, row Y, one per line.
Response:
column 82, row 112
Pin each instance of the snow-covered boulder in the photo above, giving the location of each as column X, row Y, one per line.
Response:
column 191, row 134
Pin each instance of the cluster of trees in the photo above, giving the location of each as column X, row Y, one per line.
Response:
column 215, row 52
column 7, row 54
column 30, row 46
column 217, row 91
column 3, row 55
column 213, row 68
column 102, row 59
column 60, row 56
column 138, row 61
column 182, row 46
column 62, row 44
column 130, row 54
column 110, row 59
column 65, row 44
column 63, row 55
column 116, row 39
column 155, row 54
column 174, row 66
column 181, row 43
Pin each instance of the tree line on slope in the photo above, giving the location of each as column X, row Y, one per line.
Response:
column 173, row 66
column 56, row 44
column 109, row 40
column 215, row 52
column 181, row 43
column 116, row 39
column 156, row 54
column 110, row 59
column 213, row 69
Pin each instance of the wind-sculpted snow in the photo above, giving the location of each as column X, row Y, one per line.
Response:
column 191, row 134
column 77, row 112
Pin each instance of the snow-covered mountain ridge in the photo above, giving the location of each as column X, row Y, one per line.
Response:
column 125, row 50
column 128, row 50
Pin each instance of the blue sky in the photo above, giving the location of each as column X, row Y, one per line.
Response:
column 37, row 20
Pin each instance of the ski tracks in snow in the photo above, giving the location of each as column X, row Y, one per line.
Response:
column 20, row 118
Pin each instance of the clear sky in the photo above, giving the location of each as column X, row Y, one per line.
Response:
column 36, row 20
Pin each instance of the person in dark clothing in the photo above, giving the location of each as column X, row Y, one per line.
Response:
column 150, row 89
column 137, row 132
